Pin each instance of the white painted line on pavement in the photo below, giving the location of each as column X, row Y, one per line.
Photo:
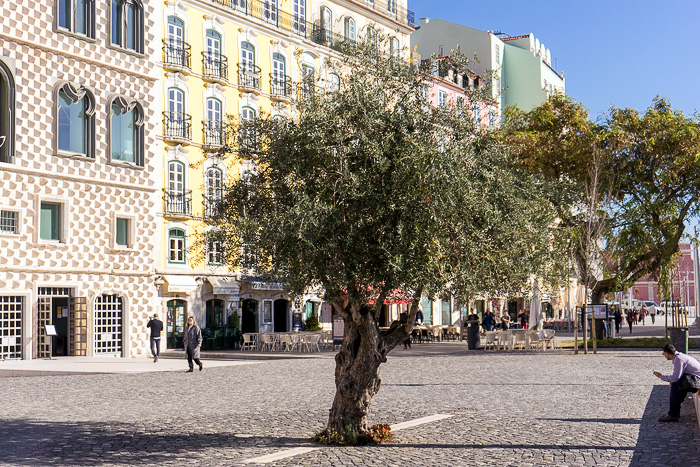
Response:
column 419, row 421
column 279, row 455
column 303, row 450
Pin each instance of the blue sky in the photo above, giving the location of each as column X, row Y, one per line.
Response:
column 614, row 52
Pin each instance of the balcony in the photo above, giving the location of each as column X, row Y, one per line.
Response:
column 177, row 127
column 214, row 66
column 305, row 91
column 249, row 77
column 213, row 134
column 211, row 204
column 177, row 55
column 177, row 203
column 280, row 88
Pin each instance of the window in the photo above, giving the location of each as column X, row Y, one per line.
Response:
column 442, row 98
column 176, row 246
column 333, row 82
column 50, row 222
column 349, row 27
column 249, row 138
column 9, row 222
column 177, row 201
column 492, row 118
column 215, row 253
column 497, row 51
column 75, row 121
column 77, row 16
column 279, row 72
column 123, row 234
column 267, row 311
column 424, row 94
column 477, row 114
column 247, row 58
column 127, row 132
column 214, row 182
column 128, row 24
column 391, row 6
column 176, row 32
column 299, row 17
column 7, row 114
column 213, row 126
column 270, row 11
column 394, row 48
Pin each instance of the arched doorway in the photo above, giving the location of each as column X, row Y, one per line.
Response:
column 175, row 326
column 249, row 317
column 281, row 307
column 215, row 313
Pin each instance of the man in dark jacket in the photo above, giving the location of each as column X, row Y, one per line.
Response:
column 156, row 326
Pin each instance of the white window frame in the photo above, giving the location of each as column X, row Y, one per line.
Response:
column 19, row 215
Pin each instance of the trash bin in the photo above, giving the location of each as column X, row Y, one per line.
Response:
column 679, row 338
column 473, row 339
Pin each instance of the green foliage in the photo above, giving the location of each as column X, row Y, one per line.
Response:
column 377, row 434
column 312, row 324
column 369, row 189
column 233, row 319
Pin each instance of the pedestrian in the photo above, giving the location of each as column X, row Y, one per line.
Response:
column 489, row 321
column 630, row 319
column 156, row 326
column 652, row 313
column 505, row 321
column 643, row 315
column 419, row 317
column 524, row 318
column 192, row 338
column 685, row 379
column 636, row 315
column 618, row 320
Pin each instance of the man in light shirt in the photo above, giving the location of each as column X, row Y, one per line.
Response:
column 683, row 365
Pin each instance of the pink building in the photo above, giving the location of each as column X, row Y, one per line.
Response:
column 683, row 281
column 449, row 88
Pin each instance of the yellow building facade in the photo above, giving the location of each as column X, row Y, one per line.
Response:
column 240, row 58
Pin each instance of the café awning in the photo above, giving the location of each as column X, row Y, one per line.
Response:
column 180, row 284
column 223, row 285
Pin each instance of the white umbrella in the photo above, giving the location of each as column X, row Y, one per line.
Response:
column 535, row 307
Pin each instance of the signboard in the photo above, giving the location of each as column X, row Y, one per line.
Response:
column 598, row 310
column 267, row 286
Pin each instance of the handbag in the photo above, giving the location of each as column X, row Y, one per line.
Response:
column 690, row 383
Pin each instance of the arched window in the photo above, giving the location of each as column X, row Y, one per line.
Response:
column 127, row 132
column 177, row 200
column 248, row 57
column 249, row 139
column 349, row 26
column 77, row 16
column 394, row 48
column 177, row 122
column 213, row 43
column 128, row 24
column 7, row 114
column 214, row 190
column 279, row 72
column 75, row 121
column 176, row 246
column 214, row 125
column 176, row 31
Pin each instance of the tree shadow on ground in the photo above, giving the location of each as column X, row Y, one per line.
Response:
column 86, row 444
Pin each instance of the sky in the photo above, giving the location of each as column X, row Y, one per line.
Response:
column 619, row 53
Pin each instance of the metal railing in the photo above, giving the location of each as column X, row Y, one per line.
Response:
column 177, row 125
column 248, row 76
column 215, row 65
column 280, row 86
column 213, row 133
column 177, row 202
column 211, row 204
column 264, row 11
column 176, row 53
column 305, row 91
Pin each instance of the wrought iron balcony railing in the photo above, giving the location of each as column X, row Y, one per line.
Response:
column 280, row 86
column 177, row 125
column 213, row 133
column 249, row 76
column 211, row 204
column 215, row 65
column 176, row 54
column 178, row 203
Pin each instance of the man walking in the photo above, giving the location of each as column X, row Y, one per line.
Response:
column 683, row 380
column 156, row 326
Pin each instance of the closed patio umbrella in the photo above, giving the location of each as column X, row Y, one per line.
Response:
column 535, row 307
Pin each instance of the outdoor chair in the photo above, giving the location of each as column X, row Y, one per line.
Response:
column 519, row 338
column 268, row 342
column 289, row 342
column 490, row 340
column 536, row 340
column 550, row 338
column 312, row 341
column 249, row 342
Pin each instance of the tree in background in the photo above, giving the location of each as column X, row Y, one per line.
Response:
column 370, row 192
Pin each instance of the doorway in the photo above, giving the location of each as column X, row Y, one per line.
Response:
column 280, row 307
column 59, row 318
column 175, row 325
column 215, row 313
column 249, row 321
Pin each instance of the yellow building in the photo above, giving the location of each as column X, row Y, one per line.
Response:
column 237, row 57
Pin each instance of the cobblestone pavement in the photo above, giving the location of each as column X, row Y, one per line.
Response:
column 507, row 409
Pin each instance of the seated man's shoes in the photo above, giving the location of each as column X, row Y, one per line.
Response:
column 668, row 418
